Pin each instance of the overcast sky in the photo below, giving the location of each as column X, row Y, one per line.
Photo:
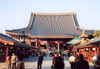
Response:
column 15, row 14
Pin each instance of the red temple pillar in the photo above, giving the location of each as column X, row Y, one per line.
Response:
column 89, row 58
column 58, row 44
column 36, row 43
column 7, row 52
column 97, row 51
column 48, row 46
column 83, row 52
column 79, row 51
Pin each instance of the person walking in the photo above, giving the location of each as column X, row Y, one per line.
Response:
column 13, row 61
column 94, row 59
column 97, row 63
column 40, row 61
column 54, row 60
column 76, row 58
column 8, row 62
column 59, row 62
column 20, row 64
column 72, row 61
column 82, row 63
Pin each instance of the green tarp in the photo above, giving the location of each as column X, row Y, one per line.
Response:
column 74, row 41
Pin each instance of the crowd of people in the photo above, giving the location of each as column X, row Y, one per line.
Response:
column 13, row 62
column 76, row 62
column 58, row 62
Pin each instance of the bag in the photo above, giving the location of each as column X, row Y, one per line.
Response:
column 52, row 66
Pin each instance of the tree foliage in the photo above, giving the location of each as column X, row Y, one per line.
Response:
column 96, row 33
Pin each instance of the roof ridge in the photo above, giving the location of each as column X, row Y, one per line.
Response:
column 37, row 13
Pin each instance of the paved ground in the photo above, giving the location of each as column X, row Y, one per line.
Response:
column 31, row 63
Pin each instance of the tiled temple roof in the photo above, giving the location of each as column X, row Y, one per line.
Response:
column 51, row 24
column 14, row 43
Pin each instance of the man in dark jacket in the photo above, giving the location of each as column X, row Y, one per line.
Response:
column 82, row 63
column 59, row 62
column 40, row 60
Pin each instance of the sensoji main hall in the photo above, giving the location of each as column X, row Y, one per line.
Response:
column 52, row 31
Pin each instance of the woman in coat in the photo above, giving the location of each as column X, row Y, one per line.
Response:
column 97, row 63
column 20, row 64
column 59, row 62
column 54, row 60
column 81, row 63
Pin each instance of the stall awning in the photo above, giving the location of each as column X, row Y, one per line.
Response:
column 89, row 44
column 74, row 41
column 10, row 42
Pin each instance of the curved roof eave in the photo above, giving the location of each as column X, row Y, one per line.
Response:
column 31, row 21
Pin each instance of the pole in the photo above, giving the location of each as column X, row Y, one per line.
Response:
column 89, row 54
column 36, row 46
column 97, row 51
column 58, row 46
column 79, row 51
column 6, row 53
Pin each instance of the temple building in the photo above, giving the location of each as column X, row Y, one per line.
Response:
column 8, row 45
column 49, row 29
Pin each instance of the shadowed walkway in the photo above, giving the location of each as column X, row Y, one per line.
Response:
column 31, row 63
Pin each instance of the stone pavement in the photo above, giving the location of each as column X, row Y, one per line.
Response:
column 31, row 63
column 46, row 63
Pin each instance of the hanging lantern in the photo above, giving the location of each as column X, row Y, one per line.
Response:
column 86, row 49
column 93, row 49
column 5, row 43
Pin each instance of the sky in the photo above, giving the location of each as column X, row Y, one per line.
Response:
column 15, row 14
